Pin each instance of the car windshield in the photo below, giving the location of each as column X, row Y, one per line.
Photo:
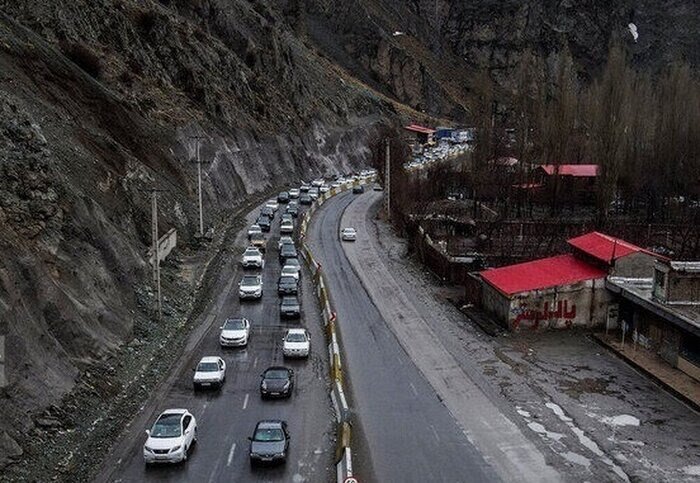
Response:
column 292, row 262
column 289, row 301
column 288, row 281
column 268, row 434
column 167, row 426
column 207, row 367
column 289, row 270
column 277, row 374
column 296, row 337
column 249, row 280
column 234, row 324
column 251, row 251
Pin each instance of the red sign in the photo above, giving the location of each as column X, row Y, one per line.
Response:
column 350, row 479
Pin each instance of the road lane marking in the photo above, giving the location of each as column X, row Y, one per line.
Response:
column 435, row 433
column 230, row 454
column 413, row 388
column 245, row 401
column 255, row 361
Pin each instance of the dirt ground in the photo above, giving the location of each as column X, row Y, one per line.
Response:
column 594, row 415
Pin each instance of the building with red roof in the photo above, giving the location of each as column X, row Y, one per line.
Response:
column 564, row 290
column 423, row 134
column 574, row 183
column 615, row 255
column 573, row 170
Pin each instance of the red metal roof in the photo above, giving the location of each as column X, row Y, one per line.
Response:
column 576, row 170
column 605, row 247
column 540, row 274
column 420, row 129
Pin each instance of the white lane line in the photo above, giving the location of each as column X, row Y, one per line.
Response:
column 255, row 361
column 435, row 433
column 245, row 401
column 413, row 388
column 230, row 454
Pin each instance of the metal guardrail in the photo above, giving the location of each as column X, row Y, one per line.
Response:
column 343, row 453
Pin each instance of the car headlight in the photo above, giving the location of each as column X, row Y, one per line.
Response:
column 286, row 385
column 150, row 450
column 176, row 449
column 280, row 455
column 264, row 385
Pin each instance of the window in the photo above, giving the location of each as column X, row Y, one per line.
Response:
column 186, row 422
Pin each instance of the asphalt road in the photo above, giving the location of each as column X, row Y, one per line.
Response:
column 227, row 417
column 409, row 434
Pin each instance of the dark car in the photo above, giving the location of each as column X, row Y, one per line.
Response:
column 305, row 199
column 289, row 307
column 269, row 443
column 277, row 381
column 287, row 251
column 264, row 223
column 267, row 211
column 359, row 189
column 287, row 286
column 283, row 197
column 293, row 210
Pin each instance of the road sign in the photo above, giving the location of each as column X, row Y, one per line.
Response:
column 350, row 480
column 333, row 316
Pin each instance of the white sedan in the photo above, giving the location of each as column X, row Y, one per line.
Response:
column 272, row 204
column 235, row 333
column 254, row 230
column 291, row 271
column 170, row 438
column 348, row 234
column 210, row 372
column 296, row 343
column 294, row 193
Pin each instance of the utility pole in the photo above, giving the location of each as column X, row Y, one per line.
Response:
column 387, row 178
column 156, row 249
column 198, row 161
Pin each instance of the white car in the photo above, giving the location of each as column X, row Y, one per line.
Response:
column 314, row 194
column 294, row 193
column 290, row 271
column 250, row 287
column 170, row 438
column 324, row 189
column 296, row 343
column 348, row 234
column 273, row 204
column 252, row 257
column 284, row 239
column 317, row 182
column 254, row 230
column 287, row 226
column 210, row 372
column 234, row 332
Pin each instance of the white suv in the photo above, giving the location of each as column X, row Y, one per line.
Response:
column 210, row 372
column 252, row 257
column 250, row 287
column 170, row 438
column 296, row 343
column 287, row 226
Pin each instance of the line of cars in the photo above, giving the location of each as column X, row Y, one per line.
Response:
column 175, row 430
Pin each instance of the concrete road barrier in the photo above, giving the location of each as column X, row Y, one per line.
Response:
column 343, row 414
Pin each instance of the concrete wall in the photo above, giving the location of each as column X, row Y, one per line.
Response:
column 495, row 303
column 683, row 286
column 635, row 265
column 582, row 304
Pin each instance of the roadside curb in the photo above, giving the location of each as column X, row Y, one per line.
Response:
column 657, row 380
column 343, row 451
